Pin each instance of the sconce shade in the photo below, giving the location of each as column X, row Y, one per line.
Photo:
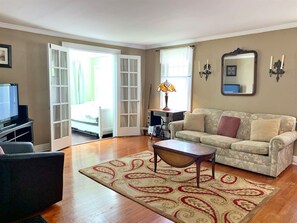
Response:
column 166, row 87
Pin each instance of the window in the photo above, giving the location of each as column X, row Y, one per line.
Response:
column 176, row 68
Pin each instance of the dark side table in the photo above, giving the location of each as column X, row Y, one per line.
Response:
column 163, row 118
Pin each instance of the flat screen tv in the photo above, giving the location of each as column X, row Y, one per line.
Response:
column 9, row 104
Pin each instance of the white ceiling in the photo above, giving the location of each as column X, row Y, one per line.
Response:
column 148, row 23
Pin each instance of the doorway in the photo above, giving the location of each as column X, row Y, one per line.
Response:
column 117, row 103
column 92, row 95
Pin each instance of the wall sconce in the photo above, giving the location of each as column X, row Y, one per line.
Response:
column 278, row 68
column 206, row 70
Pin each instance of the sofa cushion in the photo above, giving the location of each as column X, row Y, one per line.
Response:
column 244, row 130
column 194, row 122
column 188, row 135
column 223, row 142
column 242, row 160
column 264, row 129
column 287, row 123
column 211, row 119
column 228, row 126
column 253, row 147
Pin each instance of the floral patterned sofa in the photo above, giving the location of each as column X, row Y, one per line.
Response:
column 244, row 150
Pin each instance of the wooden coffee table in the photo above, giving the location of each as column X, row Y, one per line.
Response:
column 182, row 154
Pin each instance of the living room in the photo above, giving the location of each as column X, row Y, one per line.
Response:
column 30, row 71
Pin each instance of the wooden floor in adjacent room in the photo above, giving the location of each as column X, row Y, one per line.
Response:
column 85, row 201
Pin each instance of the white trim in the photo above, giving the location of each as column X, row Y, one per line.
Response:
column 227, row 35
column 138, row 46
column 64, row 35
column 42, row 147
column 128, row 130
column 294, row 160
column 62, row 141
column 90, row 48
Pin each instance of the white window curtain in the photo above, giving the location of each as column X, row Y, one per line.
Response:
column 176, row 68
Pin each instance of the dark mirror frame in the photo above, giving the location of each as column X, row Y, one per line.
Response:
column 239, row 51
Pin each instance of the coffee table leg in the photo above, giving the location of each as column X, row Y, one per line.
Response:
column 213, row 165
column 155, row 161
column 198, row 172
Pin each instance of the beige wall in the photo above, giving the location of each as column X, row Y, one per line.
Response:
column 29, row 70
column 271, row 97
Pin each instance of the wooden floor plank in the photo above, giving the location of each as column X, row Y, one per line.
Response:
column 84, row 200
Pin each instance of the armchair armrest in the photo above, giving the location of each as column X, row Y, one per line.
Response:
column 29, row 182
column 17, row 147
column 283, row 140
column 174, row 127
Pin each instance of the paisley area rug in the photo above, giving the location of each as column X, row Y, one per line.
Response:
column 172, row 192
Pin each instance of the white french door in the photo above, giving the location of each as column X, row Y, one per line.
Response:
column 59, row 97
column 128, row 96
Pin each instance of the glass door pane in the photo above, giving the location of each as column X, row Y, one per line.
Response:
column 129, row 95
column 59, row 97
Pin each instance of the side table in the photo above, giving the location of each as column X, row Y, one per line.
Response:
column 163, row 118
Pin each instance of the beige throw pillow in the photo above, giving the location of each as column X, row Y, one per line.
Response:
column 264, row 129
column 194, row 122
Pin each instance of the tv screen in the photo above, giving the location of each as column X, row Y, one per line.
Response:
column 9, row 102
column 231, row 88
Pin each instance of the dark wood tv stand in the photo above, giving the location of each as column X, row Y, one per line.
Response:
column 20, row 131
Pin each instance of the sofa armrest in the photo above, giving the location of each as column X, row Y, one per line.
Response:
column 29, row 182
column 283, row 140
column 17, row 147
column 175, row 126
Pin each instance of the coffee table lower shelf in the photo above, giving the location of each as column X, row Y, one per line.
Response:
column 182, row 154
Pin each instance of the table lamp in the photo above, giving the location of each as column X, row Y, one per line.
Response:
column 166, row 87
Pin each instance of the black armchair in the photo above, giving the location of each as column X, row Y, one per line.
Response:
column 29, row 181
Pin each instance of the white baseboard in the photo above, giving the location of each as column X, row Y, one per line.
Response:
column 294, row 160
column 42, row 147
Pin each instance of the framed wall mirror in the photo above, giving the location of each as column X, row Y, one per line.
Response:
column 239, row 72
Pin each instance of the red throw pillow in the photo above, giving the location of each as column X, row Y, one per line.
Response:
column 228, row 126
column 1, row 151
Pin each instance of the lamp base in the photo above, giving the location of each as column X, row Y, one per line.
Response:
column 166, row 102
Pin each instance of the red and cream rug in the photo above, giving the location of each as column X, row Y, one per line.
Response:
column 172, row 192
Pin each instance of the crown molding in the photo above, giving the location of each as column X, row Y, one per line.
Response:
column 65, row 35
column 227, row 35
column 153, row 46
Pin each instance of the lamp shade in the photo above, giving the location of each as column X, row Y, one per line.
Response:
column 166, row 87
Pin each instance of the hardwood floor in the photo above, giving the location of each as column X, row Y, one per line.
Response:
column 85, row 201
column 81, row 137
column 78, row 138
